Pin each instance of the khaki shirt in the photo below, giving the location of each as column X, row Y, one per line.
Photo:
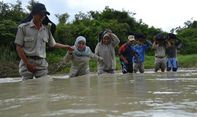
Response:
column 160, row 51
column 33, row 40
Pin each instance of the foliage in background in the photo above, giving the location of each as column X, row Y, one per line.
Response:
column 88, row 24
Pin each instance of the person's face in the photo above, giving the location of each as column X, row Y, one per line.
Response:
column 160, row 42
column 141, row 41
column 171, row 40
column 131, row 42
column 106, row 40
column 81, row 45
column 40, row 16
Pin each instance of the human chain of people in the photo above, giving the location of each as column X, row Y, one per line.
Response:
column 33, row 34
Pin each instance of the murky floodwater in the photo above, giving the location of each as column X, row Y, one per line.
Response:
column 131, row 95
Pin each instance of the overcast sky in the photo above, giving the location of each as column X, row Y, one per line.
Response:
column 164, row 14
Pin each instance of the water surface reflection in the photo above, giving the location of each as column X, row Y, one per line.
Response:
column 129, row 95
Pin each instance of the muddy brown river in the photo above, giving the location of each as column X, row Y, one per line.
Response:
column 150, row 94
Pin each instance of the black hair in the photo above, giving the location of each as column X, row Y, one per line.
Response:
column 171, row 36
column 100, row 36
column 140, row 36
column 131, row 33
column 102, row 33
column 160, row 37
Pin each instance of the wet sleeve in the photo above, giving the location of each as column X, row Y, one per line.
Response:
column 67, row 57
column 115, row 40
column 148, row 44
column 52, row 41
column 90, row 52
column 94, row 56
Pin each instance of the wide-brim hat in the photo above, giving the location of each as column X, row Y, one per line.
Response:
column 39, row 8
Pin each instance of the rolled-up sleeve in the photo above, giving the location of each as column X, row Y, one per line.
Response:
column 52, row 41
column 92, row 55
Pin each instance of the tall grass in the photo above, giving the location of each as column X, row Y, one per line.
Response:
column 9, row 62
column 7, row 55
column 184, row 61
column 187, row 60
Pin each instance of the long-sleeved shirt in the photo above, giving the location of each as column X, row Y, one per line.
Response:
column 80, row 61
column 107, row 52
column 127, row 52
column 140, row 49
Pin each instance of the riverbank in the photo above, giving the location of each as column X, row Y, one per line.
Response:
column 10, row 68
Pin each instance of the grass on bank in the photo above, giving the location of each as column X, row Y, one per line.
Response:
column 184, row 61
column 9, row 62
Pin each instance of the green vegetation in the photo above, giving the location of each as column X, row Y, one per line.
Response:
column 184, row 61
column 10, row 68
column 89, row 25
column 188, row 60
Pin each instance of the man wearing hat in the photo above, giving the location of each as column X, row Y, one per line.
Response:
column 126, row 53
column 31, row 40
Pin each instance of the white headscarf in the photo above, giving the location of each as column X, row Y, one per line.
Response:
column 86, row 52
column 80, row 38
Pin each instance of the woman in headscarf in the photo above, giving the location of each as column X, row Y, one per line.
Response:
column 105, row 49
column 80, row 57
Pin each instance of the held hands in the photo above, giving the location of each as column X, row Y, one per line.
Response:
column 69, row 48
column 100, row 59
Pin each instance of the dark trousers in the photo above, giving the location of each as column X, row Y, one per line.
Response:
column 127, row 68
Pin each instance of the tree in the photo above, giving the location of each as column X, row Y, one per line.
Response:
column 11, row 15
column 62, row 18
column 188, row 35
